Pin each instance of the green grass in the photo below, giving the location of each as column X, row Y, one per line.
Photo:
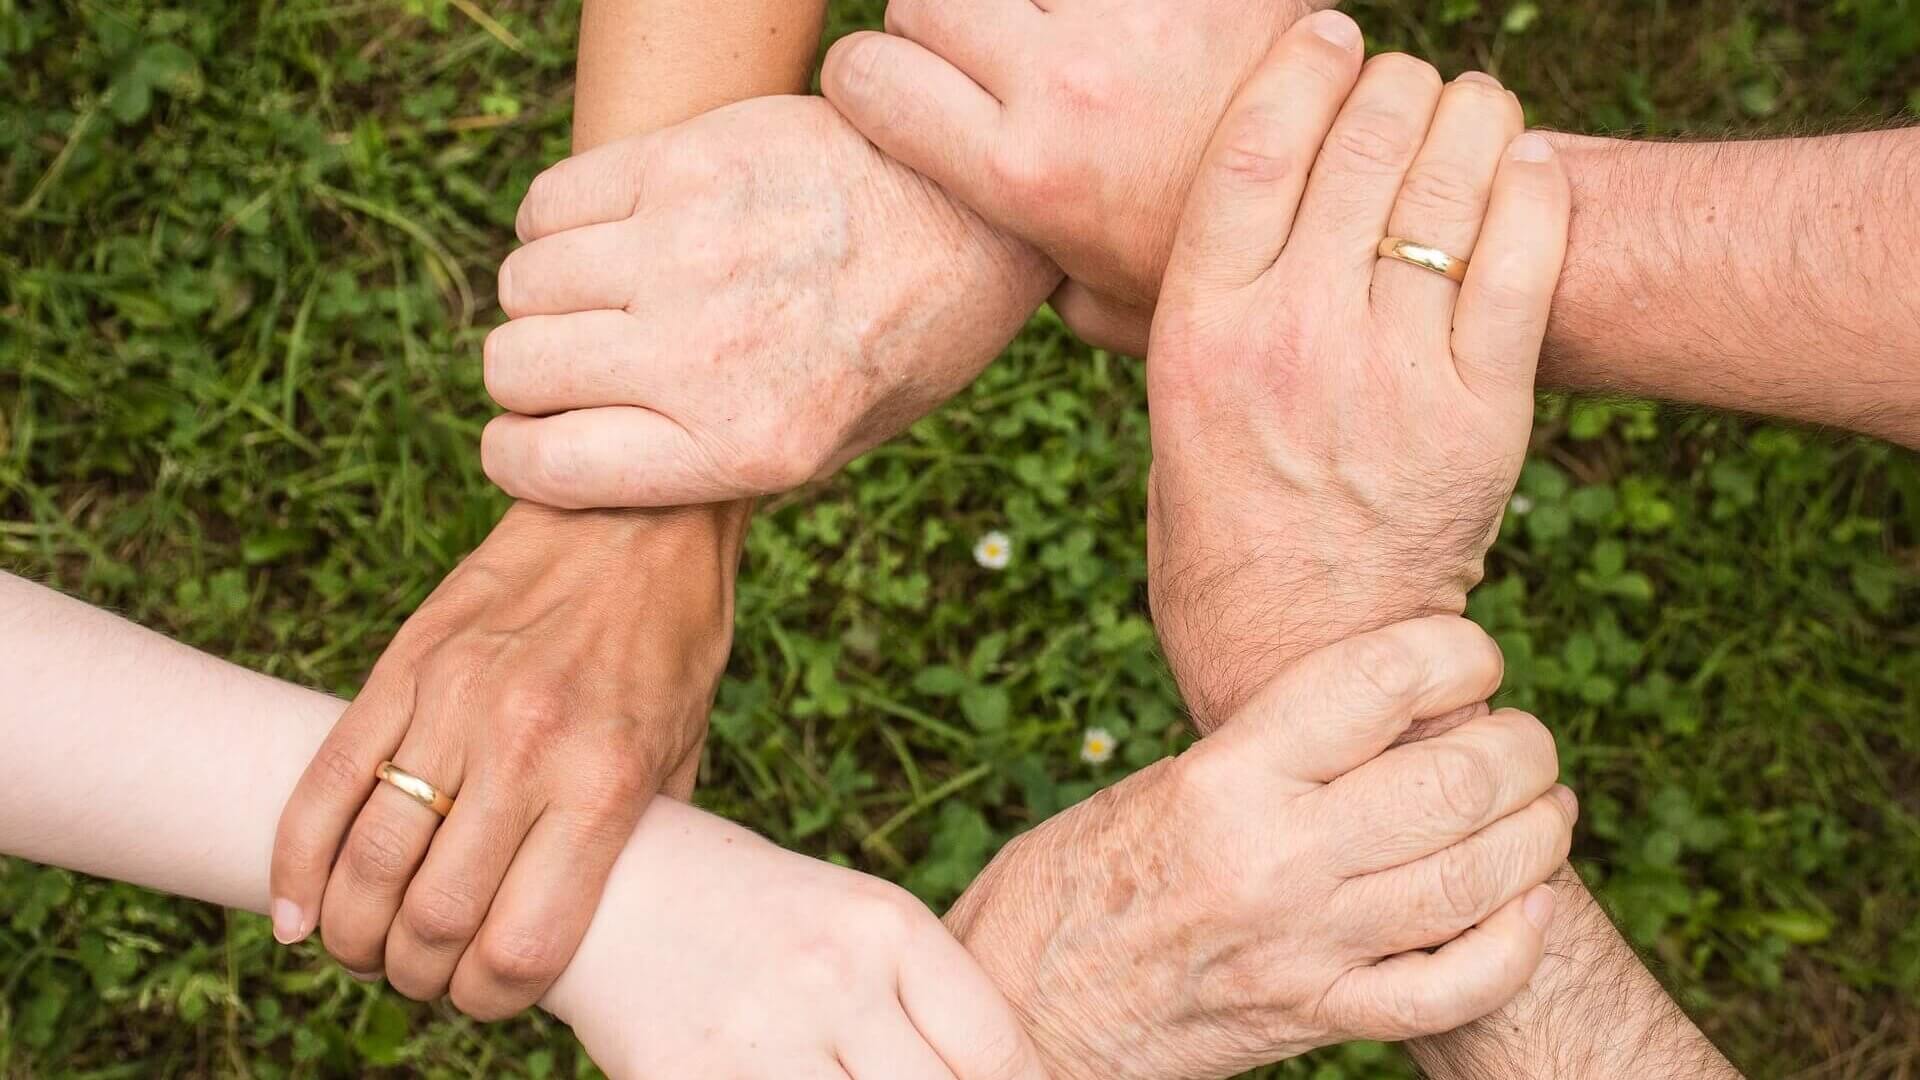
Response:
column 246, row 258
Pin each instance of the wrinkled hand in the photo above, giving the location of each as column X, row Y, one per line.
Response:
column 1270, row 890
column 557, row 679
column 1076, row 125
column 1336, row 434
column 748, row 962
column 734, row 307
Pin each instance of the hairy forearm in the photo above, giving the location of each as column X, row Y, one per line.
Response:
column 1592, row 1010
column 1778, row 277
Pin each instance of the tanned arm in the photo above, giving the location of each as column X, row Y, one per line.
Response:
column 598, row 636
column 1778, row 277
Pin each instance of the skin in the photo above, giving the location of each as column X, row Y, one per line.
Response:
column 709, row 370
column 1300, row 389
column 1263, row 358
column 1022, row 109
column 125, row 754
column 529, row 686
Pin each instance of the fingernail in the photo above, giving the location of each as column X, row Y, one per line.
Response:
column 1337, row 28
column 289, row 924
column 363, row 976
column 1538, row 907
column 1530, row 147
column 1477, row 77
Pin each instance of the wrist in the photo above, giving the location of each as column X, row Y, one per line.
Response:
column 1592, row 1009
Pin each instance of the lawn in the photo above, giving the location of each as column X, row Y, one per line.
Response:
column 246, row 255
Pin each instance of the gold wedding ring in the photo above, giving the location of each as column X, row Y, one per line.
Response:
column 414, row 788
column 1424, row 257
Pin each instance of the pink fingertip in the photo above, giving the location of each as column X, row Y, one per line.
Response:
column 1538, row 906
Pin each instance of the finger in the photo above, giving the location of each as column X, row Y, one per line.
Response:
column 889, row 1046
column 984, row 38
column 1424, row 797
column 616, row 456
column 1360, row 169
column 383, row 849
column 599, row 185
column 1418, row 993
column 544, row 364
column 584, row 269
column 541, row 911
column 1241, row 207
column 447, row 902
column 1101, row 321
column 329, row 796
column 1434, row 899
column 962, row 1015
column 1338, row 708
column 1444, row 199
column 1501, row 317
column 921, row 111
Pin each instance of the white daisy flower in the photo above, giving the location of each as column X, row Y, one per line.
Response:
column 994, row 551
column 1519, row 505
column 1097, row 745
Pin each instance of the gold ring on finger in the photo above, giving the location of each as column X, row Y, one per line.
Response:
column 415, row 788
column 1424, row 257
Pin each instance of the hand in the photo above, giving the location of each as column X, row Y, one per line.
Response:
column 753, row 963
column 1336, row 434
column 555, row 681
column 735, row 307
column 1270, row 890
column 1076, row 125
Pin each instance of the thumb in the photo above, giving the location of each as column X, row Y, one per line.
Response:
column 1341, row 706
column 1242, row 203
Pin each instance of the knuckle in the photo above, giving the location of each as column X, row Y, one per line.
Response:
column 1460, row 888
column 522, row 958
column 378, row 854
column 1383, row 670
column 1198, row 776
column 1440, row 189
column 1411, row 1011
column 442, row 915
column 771, row 467
column 338, row 774
column 557, row 461
column 1255, row 149
column 1085, row 84
column 1037, row 180
column 1461, row 781
column 1372, row 141
column 886, row 914
column 1537, row 741
column 528, row 222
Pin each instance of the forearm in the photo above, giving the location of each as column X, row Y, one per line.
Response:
column 128, row 755
column 649, row 64
column 1778, row 277
column 1592, row 1010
